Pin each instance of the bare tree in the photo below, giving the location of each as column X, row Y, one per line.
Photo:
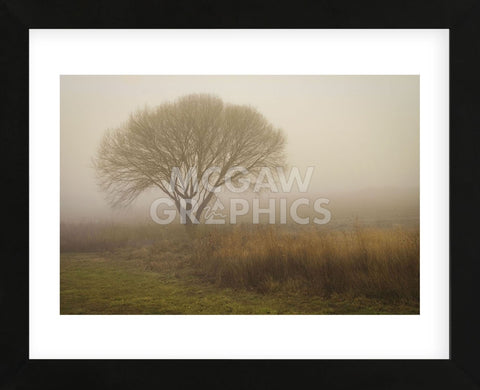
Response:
column 194, row 135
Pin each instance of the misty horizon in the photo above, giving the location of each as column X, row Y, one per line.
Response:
column 361, row 133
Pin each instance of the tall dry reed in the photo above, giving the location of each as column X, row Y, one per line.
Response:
column 381, row 263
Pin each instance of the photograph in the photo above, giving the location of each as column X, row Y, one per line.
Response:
column 259, row 193
column 240, row 194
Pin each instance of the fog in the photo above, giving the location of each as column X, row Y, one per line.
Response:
column 361, row 133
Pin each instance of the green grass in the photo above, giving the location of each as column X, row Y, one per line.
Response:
column 129, row 282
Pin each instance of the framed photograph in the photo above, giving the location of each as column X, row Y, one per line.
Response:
column 222, row 199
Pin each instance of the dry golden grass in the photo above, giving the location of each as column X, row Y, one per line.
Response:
column 378, row 263
column 381, row 263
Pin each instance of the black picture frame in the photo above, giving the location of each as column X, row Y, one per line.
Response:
column 460, row 371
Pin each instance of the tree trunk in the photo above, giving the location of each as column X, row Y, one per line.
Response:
column 204, row 204
column 190, row 227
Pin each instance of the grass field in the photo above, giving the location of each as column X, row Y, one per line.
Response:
column 92, row 283
column 148, row 270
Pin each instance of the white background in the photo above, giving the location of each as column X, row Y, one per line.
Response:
column 237, row 52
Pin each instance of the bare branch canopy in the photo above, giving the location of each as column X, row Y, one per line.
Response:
column 190, row 135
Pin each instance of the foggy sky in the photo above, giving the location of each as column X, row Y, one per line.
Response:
column 359, row 132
